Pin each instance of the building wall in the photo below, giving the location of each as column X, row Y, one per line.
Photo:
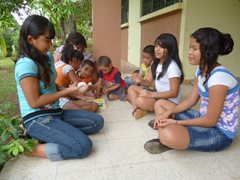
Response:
column 106, row 29
column 222, row 15
column 165, row 23
column 124, row 43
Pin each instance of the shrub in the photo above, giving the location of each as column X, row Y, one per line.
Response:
column 13, row 141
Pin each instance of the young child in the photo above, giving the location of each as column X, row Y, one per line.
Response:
column 85, row 72
column 215, row 126
column 110, row 77
column 66, row 69
column 147, row 56
column 167, row 73
column 63, row 131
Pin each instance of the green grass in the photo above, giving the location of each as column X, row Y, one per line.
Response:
column 8, row 91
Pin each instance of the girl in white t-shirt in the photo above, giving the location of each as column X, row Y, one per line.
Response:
column 215, row 125
column 166, row 71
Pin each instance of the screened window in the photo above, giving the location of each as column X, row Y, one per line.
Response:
column 149, row 6
column 124, row 11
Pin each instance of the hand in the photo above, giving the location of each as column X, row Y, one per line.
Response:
column 74, row 92
column 166, row 122
column 105, row 91
column 73, row 84
column 165, row 115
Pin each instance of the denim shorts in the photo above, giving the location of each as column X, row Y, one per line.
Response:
column 203, row 138
column 120, row 92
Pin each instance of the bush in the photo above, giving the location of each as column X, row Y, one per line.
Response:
column 13, row 141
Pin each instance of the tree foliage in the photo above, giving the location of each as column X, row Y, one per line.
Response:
column 66, row 15
column 8, row 7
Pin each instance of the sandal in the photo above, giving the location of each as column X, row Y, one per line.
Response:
column 151, row 123
column 139, row 113
column 134, row 111
column 155, row 147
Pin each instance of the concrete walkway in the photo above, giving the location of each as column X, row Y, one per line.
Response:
column 118, row 154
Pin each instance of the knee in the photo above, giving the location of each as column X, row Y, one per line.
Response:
column 130, row 89
column 94, row 107
column 166, row 136
column 86, row 148
column 99, row 123
column 140, row 101
column 158, row 103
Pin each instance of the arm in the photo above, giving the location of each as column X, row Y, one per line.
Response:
column 172, row 93
column 117, row 79
column 35, row 99
column 217, row 95
column 72, row 76
column 115, row 86
column 145, row 82
column 189, row 102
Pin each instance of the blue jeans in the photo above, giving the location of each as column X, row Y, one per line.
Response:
column 66, row 134
column 203, row 138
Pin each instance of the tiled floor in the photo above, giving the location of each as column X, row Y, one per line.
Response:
column 118, row 154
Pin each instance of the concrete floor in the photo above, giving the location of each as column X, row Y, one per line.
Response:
column 118, row 154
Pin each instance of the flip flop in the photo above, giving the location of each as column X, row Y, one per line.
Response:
column 155, row 147
column 139, row 113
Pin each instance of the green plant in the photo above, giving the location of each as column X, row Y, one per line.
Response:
column 13, row 141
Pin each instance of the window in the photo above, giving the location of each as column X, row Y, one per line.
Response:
column 124, row 11
column 149, row 6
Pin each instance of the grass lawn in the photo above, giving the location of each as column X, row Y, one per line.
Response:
column 8, row 91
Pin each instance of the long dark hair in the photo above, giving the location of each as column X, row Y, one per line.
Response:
column 169, row 42
column 36, row 26
column 76, row 38
column 68, row 53
column 212, row 44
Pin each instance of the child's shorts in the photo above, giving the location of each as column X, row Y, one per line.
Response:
column 203, row 138
column 63, row 101
column 120, row 92
column 129, row 81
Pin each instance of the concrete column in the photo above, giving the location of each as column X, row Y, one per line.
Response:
column 107, row 30
column 134, row 32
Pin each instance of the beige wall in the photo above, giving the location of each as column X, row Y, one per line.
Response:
column 124, row 43
column 221, row 14
column 106, row 29
column 134, row 32
column 166, row 23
